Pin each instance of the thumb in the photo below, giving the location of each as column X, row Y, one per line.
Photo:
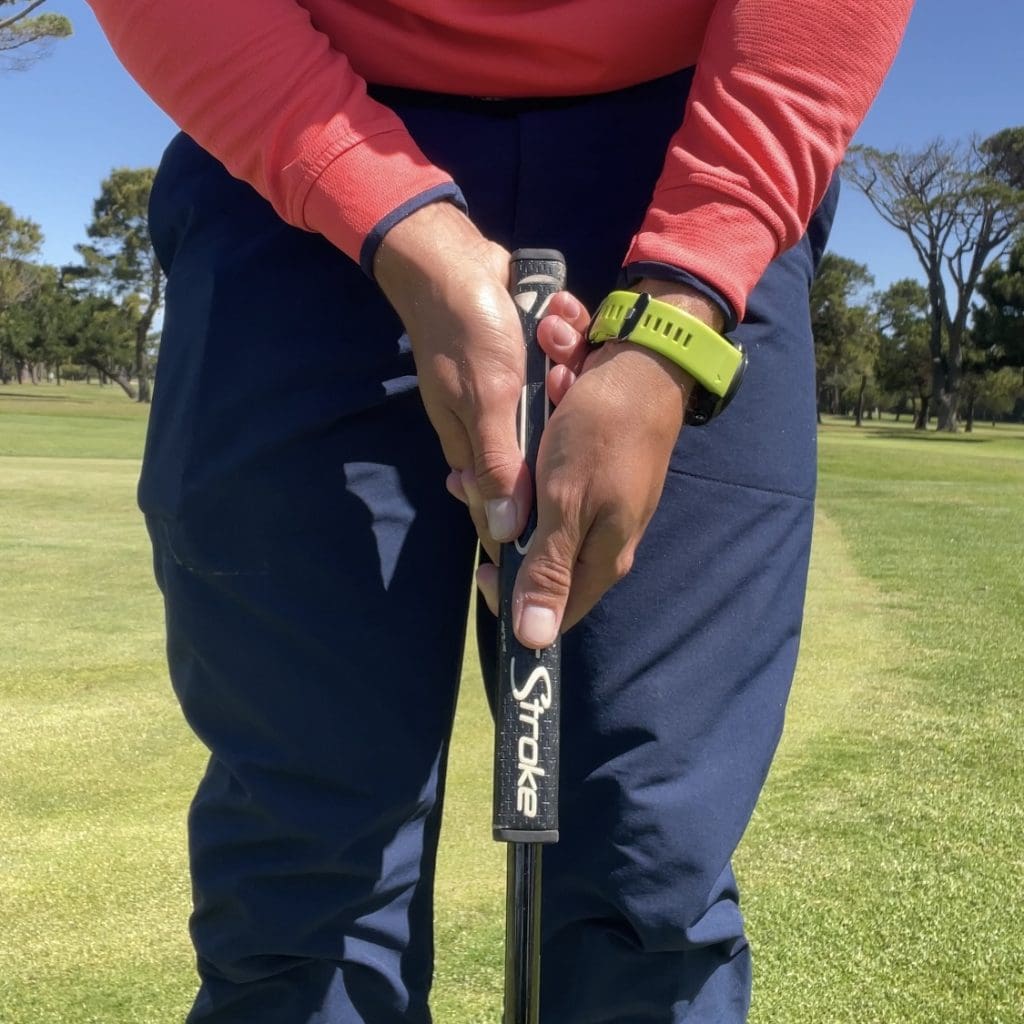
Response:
column 502, row 478
column 544, row 581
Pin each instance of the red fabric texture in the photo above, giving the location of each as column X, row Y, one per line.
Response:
column 276, row 91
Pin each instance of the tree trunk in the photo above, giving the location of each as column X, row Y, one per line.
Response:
column 947, row 409
column 126, row 386
column 120, row 377
column 952, row 377
column 142, row 330
column 921, row 417
column 969, row 425
column 858, row 419
column 141, row 334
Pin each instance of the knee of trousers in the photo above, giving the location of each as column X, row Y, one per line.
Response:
column 674, row 692
column 665, row 887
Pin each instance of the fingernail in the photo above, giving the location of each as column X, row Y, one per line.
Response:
column 537, row 626
column 501, row 518
column 564, row 334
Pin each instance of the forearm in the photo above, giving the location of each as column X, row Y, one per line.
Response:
column 780, row 88
column 263, row 91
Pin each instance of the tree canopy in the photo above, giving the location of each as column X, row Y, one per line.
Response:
column 958, row 205
column 120, row 263
column 95, row 316
column 904, row 357
column 20, row 242
column 845, row 334
column 26, row 36
column 999, row 319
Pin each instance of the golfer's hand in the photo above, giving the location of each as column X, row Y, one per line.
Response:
column 600, row 472
column 449, row 285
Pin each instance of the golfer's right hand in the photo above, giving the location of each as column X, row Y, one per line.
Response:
column 449, row 285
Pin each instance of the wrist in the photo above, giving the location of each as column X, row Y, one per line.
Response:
column 420, row 248
column 640, row 371
column 685, row 298
column 684, row 331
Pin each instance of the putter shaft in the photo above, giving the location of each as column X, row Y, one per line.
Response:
column 522, row 934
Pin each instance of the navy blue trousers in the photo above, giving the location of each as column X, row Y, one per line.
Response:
column 317, row 575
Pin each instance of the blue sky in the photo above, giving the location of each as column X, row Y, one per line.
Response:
column 68, row 121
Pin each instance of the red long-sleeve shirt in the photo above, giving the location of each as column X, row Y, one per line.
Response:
column 275, row 89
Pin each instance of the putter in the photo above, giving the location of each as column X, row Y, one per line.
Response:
column 528, row 705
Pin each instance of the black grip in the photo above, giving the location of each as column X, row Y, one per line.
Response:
column 528, row 703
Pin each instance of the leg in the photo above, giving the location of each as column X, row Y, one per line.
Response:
column 674, row 691
column 316, row 579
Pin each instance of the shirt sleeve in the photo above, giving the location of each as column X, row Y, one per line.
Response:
column 257, row 86
column 780, row 88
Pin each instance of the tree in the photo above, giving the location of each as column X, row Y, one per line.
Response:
column 998, row 392
column 100, row 333
column 958, row 205
column 26, row 37
column 904, row 356
column 845, row 338
column 20, row 242
column 121, row 263
column 30, row 330
column 999, row 322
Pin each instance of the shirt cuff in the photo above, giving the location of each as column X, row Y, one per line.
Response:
column 449, row 192
column 633, row 272
column 368, row 188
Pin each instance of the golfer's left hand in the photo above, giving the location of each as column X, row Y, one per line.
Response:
column 600, row 471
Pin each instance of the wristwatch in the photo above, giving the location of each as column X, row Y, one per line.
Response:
column 716, row 364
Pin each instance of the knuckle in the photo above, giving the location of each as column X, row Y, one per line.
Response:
column 562, row 491
column 549, row 575
column 494, row 467
column 502, row 383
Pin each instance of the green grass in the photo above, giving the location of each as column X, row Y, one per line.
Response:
column 883, row 867
column 76, row 421
column 882, row 870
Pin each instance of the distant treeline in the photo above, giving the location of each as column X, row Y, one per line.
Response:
column 873, row 353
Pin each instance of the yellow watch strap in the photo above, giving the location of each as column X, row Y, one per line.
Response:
column 690, row 343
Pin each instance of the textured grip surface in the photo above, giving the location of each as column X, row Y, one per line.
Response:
column 528, row 705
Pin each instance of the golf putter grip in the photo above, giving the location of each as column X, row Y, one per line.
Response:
column 528, row 704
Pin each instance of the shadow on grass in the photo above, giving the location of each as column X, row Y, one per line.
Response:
column 29, row 397
column 895, row 433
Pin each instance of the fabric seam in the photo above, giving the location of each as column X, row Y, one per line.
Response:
column 745, row 487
